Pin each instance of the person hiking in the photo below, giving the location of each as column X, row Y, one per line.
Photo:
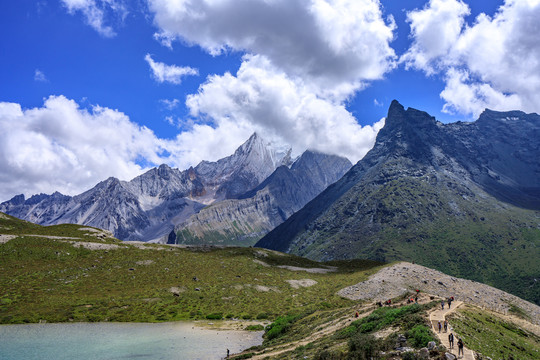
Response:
column 460, row 346
column 445, row 326
column 451, row 340
column 227, row 353
column 449, row 302
column 440, row 326
column 442, row 304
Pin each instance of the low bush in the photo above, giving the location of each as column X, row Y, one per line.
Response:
column 419, row 336
column 280, row 326
column 215, row 316
column 262, row 316
column 364, row 347
column 257, row 327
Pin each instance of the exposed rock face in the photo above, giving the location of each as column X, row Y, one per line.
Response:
column 463, row 198
column 251, row 163
column 402, row 278
column 245, row 220
column 152, row 204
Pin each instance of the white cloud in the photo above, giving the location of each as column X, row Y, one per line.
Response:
column 96, row 11
column 334, row 45
column 262, row 98
column 169, row 73
column 169, row 104
column 494, row 62
column 434, row 30
column 39, row 76
column 62, row 147
column 464, row 95
column 303, row 60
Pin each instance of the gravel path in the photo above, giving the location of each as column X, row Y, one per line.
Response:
column 404, row 277
column 440, row 315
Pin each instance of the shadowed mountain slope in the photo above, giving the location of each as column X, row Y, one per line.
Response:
column 462, row 198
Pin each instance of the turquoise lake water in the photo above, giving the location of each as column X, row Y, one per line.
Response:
column 116, row 341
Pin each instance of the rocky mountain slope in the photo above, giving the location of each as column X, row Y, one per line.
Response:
column 463, row 198
column 245, row 220
column 148, row 207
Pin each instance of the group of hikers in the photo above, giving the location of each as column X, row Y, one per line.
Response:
column 459, row 343
column 449, row 301
column 445, row 326
column 441, row 325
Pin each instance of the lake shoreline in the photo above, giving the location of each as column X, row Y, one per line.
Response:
column 96, row 341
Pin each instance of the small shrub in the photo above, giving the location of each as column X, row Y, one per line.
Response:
column 257, row 327
column 347, row 332
column 363, row 347
column 262, row 316
column 215, row 316
column 243, row 356
column 419, row 336
column 280, row 326
column 5, row 301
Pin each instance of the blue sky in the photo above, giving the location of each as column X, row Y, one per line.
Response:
column 97, row 88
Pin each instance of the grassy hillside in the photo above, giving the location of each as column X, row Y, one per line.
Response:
column 442, row 225
column 52, row 279
column 495, row 337
column 56, row 274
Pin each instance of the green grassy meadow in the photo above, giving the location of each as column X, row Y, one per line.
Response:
column 53, row 280
column 494, row 337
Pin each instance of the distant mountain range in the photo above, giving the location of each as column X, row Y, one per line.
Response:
column 463, row 198
column 245, row 219
column 152, row 205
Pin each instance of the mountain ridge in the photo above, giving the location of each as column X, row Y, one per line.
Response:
column 432, row 193
column 149, row 206
column 244, row 220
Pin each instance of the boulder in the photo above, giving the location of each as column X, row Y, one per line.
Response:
column 431, row 345
column 423, row 354
column 449, row 356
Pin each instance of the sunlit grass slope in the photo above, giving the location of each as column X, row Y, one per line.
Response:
column 51, row 277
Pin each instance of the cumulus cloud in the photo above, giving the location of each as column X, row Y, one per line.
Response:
column 265, row 99
column 336, row 45
column 302, row 61
column 169, row 104
column 96, row 11
column 493, row 62
column 62, row 147
column 169, row 73
column 465, row 95
column 434, row 30
column 39, row 76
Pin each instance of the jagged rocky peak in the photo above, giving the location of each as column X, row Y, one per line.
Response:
column 260, row 147
column 398, row 116
column 250, row 164
column 164, row 171
column 18, row 199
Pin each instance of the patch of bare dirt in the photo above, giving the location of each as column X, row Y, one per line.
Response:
column 399, row 279
column 5, row 238
column 296, row 284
